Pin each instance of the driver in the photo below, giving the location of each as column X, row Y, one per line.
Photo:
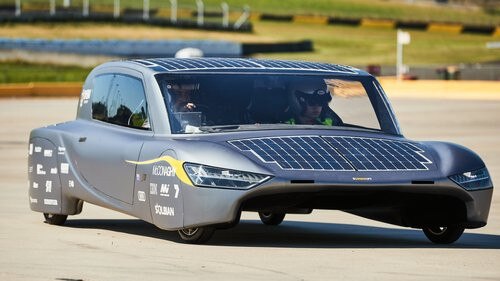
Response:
column 310, row 104
column 182, row 95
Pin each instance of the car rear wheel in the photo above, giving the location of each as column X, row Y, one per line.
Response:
column 443, row 234
column 196, row 235
column 55, row 219
column 269, row 218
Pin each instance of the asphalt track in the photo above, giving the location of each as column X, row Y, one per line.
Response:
column 101, row 244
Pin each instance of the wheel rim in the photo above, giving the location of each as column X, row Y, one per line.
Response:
column 267, row 215
column 437, row 230
column 189, row 231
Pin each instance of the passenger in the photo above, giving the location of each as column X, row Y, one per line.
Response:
column 312, row 107
column 183, row 95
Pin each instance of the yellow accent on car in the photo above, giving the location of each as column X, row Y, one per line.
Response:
column 176, row 164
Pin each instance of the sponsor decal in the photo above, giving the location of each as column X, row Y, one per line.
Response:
column 85, row 96
column 61, row 150
column 153, row 188
column 33, row 200
column 165, row 171
column 164, row 210
column 30, row 152
column 30, row 169
column 48, row 186
column 39, row 170
column 361, row 179
column 164, row 190
column 64, row 168
column 47, row 153
column 35, row 185
column 38, row 149
column 176, row 187
column 141, row 195
column 53, row 171
column 51, row 202
column 71, row 183
column 175, row 164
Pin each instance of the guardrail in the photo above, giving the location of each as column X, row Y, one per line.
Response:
column 388, row 23
column 41, row 89
column 151, row 48
column 123, row 48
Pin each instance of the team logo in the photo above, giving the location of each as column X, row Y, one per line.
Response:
column 164, row 210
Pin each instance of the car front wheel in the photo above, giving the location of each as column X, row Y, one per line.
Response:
column 444, row 234
column 269, row 218
column 196, row 235
column 55, row 219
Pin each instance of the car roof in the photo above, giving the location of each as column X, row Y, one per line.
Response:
column 176, row 65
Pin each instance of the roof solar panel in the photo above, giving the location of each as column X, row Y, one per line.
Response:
column 196, row 64
column 335, row 153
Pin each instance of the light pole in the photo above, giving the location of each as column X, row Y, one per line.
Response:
column 173, row 11
column 403, row 38
column 225, row 14
column 18, row 8
column 52, row 7
column 199, row 4
column 116, row 11
column 145, row 10
column 85, row 8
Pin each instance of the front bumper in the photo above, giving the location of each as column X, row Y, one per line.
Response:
column 413, row 205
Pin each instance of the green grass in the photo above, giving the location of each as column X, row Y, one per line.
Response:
column 20, row 72
column 369, row 8
column 363, row 46
column 342, row 8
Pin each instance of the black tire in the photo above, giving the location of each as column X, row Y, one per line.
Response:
column 443, row 235
column 196, row 235
column 55, row 219
column 269, row 218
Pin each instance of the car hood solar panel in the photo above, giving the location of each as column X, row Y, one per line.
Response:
column 336, row 153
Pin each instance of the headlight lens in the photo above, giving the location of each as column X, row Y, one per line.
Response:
column 202, row 175
column 474, row 180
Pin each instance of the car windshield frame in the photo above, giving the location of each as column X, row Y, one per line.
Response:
column 379, row 102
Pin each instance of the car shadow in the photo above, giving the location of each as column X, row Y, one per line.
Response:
column 298, row 234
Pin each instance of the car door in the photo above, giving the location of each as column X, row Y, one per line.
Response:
column 114, row 136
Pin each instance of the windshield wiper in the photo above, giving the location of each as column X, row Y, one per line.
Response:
column 258, row 126
column 218, row 128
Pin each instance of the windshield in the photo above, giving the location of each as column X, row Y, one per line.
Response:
column 200, row 103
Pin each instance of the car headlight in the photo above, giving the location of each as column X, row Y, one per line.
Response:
column 208, row 176
column 474, row 180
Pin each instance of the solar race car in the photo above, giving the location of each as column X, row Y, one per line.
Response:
column 188, row 144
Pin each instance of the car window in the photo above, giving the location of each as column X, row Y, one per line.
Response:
column 200, row 103
column 120, row 100
column 352, row 103
column 99, row 95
